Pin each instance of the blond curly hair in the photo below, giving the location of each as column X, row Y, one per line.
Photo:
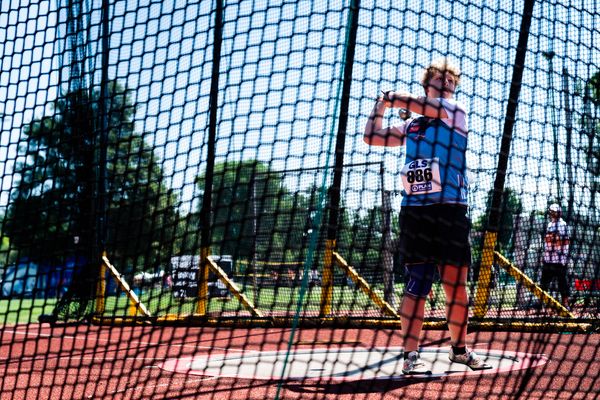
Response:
column 440, row 65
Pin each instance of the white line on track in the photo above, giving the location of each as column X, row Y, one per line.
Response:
column 138, row 388
column 133, row 343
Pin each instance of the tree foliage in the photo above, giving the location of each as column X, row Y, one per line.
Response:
column 594, row 83
column 254, row 214
column 510, row 207
column 54, row 209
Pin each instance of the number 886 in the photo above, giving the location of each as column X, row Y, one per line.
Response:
column 419, row 175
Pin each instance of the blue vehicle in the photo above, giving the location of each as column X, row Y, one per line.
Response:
column 28, row 279
column 21, row 280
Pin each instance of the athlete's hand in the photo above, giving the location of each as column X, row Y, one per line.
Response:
column 387, row 95
column 386, row 98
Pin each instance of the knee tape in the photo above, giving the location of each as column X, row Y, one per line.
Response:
column 420, row 279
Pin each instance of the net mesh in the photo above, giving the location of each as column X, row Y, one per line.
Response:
column 139, row 136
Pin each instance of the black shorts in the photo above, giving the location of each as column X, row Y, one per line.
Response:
column 437, row 234
column 551, row 271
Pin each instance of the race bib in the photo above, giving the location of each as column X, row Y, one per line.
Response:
column 421, row 176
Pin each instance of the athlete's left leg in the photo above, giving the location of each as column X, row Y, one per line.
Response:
column 454, row 282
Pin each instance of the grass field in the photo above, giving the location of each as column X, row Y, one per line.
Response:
column 282, row 300
column 23, row 311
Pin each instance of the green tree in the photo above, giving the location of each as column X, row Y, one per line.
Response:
column 254, row 214
column 367, row 237
column 187, row 239
column 54, row 207
column 142, row 214
column 510, row 206
column 585, row 227
column 8, row 254
column 591, row 128
column 594, row 84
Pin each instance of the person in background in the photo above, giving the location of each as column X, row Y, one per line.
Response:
column 556, row 253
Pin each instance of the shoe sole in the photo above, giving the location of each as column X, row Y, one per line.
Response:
column 479, row 368
column 416, row 373
column 473, row 368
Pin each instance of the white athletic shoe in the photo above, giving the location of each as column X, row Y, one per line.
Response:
column 414, row 366
column 470, row 359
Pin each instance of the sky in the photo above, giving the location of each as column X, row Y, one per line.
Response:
column 281, row 78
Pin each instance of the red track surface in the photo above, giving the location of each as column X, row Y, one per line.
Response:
column 91, row 362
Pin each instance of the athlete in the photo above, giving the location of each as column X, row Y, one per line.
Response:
column 556, row 251
column 434, row 224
